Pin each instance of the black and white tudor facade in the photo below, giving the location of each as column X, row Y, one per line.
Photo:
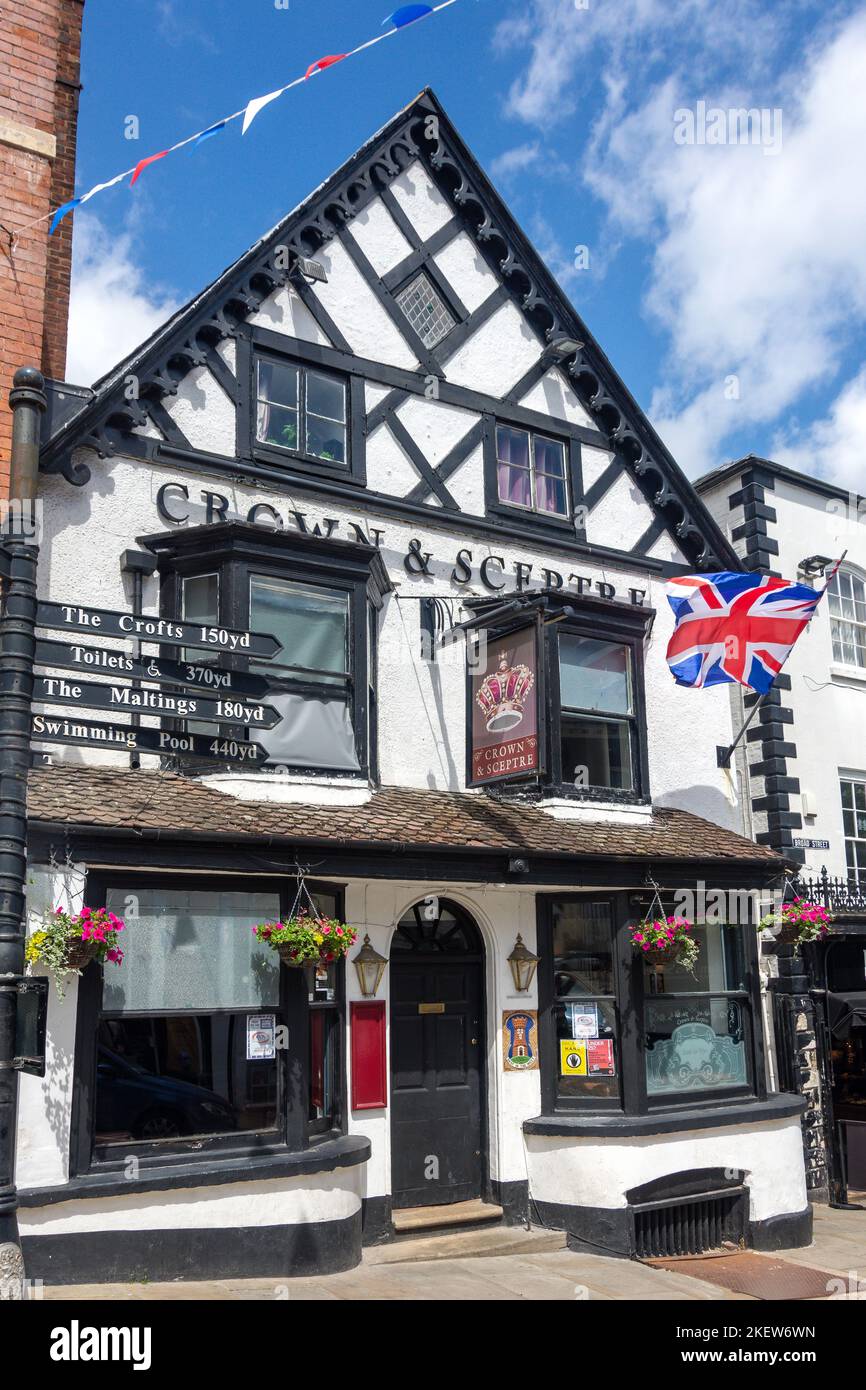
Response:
column 427, row 437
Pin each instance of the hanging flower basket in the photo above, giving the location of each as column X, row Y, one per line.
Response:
column 304, row 939
column 797, row 922
column 666, row 941
column 67, row 942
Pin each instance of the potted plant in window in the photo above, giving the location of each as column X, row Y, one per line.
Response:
column 666, row 940
column 797, row 922
column 67, row 942
column 305, row 939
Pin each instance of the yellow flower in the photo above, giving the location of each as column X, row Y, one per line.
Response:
column 318, row 938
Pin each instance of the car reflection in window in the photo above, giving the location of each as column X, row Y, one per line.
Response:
column 132, row 1102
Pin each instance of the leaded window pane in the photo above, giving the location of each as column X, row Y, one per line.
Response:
column 425, row 310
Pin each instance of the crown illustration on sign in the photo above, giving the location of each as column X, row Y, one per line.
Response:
column 501, row 695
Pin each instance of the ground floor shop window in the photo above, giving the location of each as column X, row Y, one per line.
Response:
column 202, row 1039
column 695, row 1023
column 619, row 1033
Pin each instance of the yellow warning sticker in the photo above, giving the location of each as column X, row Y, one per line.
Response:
column 572, row 1057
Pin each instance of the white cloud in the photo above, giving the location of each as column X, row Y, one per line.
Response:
column 560, row 35
column 112, row 309
column 515, row 161
column 834, row 447
column 757, row 262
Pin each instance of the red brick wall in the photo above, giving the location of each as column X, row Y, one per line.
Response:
column 39, row 71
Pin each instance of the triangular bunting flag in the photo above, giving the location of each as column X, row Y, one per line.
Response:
column 255, row 106
column 61, row 213
column 322, row 63
column 206, row 134
column 407, row 14
column 143, row 163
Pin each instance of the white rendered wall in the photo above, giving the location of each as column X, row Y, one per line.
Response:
column 421, row 704
column 304, row 1200
column 599, row 1172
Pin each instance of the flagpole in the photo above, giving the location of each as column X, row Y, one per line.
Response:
column 724, row 755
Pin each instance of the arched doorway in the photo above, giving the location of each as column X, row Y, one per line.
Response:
column 437, row 1056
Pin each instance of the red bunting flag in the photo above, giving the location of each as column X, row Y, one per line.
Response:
column 322, row 63
column 143, row 163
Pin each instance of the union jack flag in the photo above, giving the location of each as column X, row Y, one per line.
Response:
column 735, row 627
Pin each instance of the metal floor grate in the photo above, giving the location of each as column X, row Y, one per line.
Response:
column 688, row 1226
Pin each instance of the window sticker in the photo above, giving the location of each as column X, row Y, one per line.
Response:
column 572, row 1057
column 599, row 1057
column 583, row 1019
column 261, row 1037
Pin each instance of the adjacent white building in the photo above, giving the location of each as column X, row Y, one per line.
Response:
column 805, row 763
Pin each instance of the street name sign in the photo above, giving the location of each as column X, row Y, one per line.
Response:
column 53, row 729
column 65, row 690
column 104, row 622
column 112, row 661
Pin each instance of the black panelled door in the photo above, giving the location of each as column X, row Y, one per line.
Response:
column 437, row 1019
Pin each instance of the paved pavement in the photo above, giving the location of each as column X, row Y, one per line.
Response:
column 532, row 1271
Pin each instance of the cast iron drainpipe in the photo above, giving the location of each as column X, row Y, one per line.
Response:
column 17, row 653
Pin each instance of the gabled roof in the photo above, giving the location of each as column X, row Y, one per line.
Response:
column 190, row 335
column 776, row 470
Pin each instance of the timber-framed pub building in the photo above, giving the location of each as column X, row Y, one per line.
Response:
column 385, row 437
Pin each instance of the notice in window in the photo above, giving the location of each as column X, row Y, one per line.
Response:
column 261, row 1037
column 572, row 1057
column 583, row 1020
column 505, row 710
column 599, row 1057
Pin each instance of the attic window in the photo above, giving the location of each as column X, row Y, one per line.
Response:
column 425, row 310
column 301, row 410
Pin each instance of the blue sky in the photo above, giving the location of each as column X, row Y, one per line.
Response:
column 726, row 281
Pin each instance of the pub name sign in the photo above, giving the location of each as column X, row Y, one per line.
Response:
column 175, row 508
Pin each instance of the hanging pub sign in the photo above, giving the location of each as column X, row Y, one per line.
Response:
column 66, row 690
column 504, row 705
column 113, row 661
column 102, row 622
column 94, row 733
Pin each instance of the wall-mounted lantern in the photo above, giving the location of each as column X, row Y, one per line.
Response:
column 523, row 965
column 370, row 967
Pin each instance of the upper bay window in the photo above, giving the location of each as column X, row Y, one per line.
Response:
column 319, row 598
column 556, row 699
column 597, row 712
column 530, row 472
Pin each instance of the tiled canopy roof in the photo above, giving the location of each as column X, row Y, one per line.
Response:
column 116, row 799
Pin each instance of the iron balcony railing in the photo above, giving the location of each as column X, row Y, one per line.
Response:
column 839, row 895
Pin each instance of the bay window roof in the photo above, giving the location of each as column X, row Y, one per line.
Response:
column 400, row 818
